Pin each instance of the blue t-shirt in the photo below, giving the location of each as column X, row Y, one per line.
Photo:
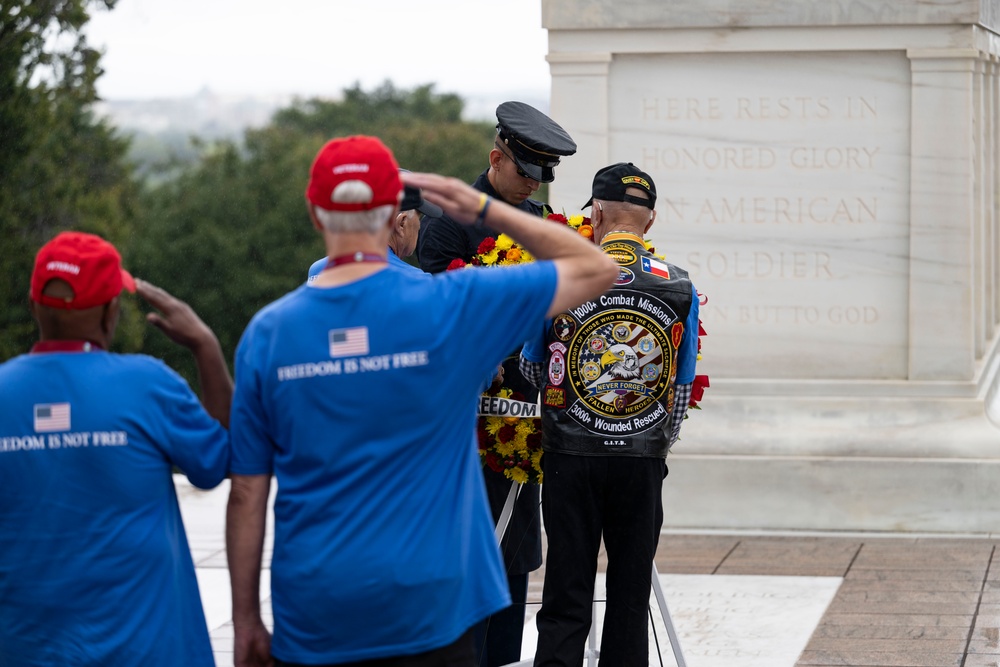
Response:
column 95, row 567
column 317, row 267
column 362, row 401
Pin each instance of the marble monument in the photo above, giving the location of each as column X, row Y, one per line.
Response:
column 828, row 172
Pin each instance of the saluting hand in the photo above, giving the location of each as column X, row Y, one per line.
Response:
column 175, row 317
column 460, row 201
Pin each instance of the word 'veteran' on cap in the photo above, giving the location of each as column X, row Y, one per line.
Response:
column 90, row 265
column 356, row 160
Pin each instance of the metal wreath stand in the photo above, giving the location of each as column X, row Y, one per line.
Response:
column 592, row 653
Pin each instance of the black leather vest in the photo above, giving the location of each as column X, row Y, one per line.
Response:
column 611, row 362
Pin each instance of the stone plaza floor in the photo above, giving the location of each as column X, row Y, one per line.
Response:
column 752, row 599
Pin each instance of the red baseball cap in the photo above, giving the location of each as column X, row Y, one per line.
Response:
column 91, row 266
column 357, row 158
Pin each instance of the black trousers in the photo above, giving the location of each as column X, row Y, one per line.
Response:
column 457, row 654
column 583, row 498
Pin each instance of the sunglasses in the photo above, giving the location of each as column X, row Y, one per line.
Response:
column 520, row 172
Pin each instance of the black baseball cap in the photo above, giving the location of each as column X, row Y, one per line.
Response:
column 536, row 141
column 611, row 183
column 414, row 201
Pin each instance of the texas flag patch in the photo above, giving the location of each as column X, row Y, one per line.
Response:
column 650, row 265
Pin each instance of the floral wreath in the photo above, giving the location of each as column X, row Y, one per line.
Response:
column 513, row 445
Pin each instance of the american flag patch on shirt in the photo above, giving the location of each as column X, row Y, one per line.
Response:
column 351, row 342
column 51, row 417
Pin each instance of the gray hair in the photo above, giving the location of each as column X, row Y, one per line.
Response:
column 353, row 192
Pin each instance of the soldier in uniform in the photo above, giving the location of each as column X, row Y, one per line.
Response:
column 526, row 150
column 615, row 376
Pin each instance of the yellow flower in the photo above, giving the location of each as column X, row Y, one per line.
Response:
column 504, row 449
column 504, row 242
column 516, row 474
column 525, row 427
column 493, row 424
column 652, row 250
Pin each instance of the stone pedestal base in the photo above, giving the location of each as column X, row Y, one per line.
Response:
column 880, row 464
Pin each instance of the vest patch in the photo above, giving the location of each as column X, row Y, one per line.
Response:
column 622, row 253
column 620, row 363
column 624, row 276
column 554, row 397
column 563, row 326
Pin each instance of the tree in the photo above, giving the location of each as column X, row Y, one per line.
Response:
column 231, row 233
column 60, row 168
column 424, row 129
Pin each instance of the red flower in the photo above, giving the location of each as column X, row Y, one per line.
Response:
column 501, row 256
column 487, row 245
column 456, row 264
column 506, row 434
column 557, row 217
column 533, row 440
column 698, row 389
column 493, row 462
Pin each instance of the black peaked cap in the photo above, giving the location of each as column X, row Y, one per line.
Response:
column 536, row 141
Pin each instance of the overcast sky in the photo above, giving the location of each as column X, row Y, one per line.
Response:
column 159, row 48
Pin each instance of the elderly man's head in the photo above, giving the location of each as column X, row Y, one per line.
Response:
column 406, row 228
column 75, row 286
column 354, row 185
column 623, row 196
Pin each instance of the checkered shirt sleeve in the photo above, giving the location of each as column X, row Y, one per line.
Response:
column 682, row 397
column 533, row 372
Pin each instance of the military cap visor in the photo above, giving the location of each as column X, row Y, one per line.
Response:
column 536, row 142
column 413, row 200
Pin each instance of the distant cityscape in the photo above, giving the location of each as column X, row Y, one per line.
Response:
column 212, row 116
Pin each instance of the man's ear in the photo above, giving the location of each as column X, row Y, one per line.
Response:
column 496, row 157
column 109, row 318
column 652, row 219
column 393, row 222
column 312, row 216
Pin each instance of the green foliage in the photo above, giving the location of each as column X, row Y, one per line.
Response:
column 60, row 168
column 231, row 234
column 424, row 129
column 227, row 236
